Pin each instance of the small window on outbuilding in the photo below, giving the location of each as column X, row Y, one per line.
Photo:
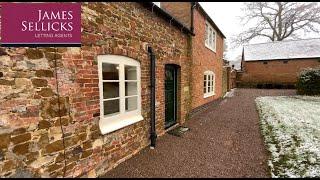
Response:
column 265, row 62
column 285, row 62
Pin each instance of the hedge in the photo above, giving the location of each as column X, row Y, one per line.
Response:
column 309, row 82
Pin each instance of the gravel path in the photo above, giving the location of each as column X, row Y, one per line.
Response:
column 223, row 141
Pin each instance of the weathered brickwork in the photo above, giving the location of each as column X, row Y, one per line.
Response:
column 49, row 97
column 274, row 72
column 204, row 59
column 179, row 10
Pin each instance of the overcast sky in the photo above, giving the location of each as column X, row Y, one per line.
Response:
column 225, row 15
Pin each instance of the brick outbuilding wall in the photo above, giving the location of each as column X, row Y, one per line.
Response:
column 50, row 101
column 274, row 72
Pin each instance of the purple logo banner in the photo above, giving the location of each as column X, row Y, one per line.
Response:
column 40, row 24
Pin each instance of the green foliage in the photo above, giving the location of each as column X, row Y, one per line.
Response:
column 309, row 82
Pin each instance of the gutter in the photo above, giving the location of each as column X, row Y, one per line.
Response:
column 153, row 134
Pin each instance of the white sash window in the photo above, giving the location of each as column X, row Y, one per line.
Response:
column 210, row 37
column 120, row 96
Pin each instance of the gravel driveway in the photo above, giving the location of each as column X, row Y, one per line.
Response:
column 223, row 141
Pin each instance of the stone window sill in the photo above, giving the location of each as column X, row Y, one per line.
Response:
column 213, row 50
column 208, row 95
column 110, row 125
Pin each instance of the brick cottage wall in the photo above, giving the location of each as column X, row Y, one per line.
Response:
column 274, row 72
column 205, row 59
column 49, row 102
column 179, row 10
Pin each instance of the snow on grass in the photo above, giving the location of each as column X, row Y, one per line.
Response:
column 291, row 129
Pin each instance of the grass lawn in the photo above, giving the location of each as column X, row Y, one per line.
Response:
column 291, row 129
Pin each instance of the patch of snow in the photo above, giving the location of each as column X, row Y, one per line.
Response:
column 291, row 129
column 229, row 94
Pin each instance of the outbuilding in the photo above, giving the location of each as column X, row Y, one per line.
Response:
column 277, row 64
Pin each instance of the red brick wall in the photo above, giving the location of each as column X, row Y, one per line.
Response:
column 31, row 138
column 179, row 10
column 205, row 59
column 275, row 71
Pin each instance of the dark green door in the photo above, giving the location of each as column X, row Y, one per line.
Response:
column 171, row 95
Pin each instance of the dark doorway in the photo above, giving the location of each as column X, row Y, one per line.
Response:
column 170, row 95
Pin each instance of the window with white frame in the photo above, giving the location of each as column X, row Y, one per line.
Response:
column 120, row 96
column 210, row 37
column 208, row 84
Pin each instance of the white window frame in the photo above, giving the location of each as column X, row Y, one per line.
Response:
column 212, row 45
column 122, row 119
column 209, row 75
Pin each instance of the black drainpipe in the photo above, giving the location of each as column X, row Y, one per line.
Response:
column 193, row 5
column 153, row 135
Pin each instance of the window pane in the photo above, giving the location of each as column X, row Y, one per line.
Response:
column 111, row 107
column 210, row 37
column 131, row 103
column 130, row 73
column 208, row 89
column 110, row 90
column 213, row 39
column 169, row 75
column 110, row 71
column 206, row 34
column 212, row 83
column 131, row 88
column 204, row 90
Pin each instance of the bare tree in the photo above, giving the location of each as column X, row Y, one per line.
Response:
column 278, row 20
